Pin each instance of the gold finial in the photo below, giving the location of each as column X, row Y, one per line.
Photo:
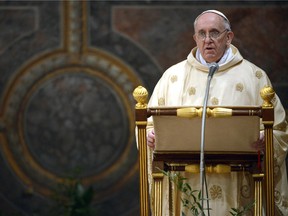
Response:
column 140, row 94
column 267, row 93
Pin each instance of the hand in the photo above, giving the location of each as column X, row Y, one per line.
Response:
column 151, row 139
column 259, row 145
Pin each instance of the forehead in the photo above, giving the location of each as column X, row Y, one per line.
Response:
column 209, row 21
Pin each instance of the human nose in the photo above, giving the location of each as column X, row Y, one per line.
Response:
column 207, row 36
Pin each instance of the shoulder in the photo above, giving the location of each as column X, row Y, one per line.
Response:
column 172, row 76
column 254, row 69
column 243, row 64
column 176, row 68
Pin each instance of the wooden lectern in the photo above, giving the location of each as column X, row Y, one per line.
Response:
column 167, row 157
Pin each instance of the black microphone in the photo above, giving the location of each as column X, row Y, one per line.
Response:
column 213, row 67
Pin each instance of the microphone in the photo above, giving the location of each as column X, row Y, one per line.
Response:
column 213, row 67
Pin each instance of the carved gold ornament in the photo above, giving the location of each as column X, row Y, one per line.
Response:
column 140, row 94
column 267, row 94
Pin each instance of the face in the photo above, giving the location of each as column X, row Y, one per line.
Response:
column 212, row 48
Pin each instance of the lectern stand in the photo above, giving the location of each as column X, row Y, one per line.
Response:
column 168, row 158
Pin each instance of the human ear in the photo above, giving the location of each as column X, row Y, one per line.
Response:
column 194, row 37
column 230, row 36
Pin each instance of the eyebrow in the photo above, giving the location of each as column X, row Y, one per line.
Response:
column 214, row 29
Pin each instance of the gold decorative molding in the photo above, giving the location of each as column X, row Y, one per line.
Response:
column 158, row 188
column 258, row 193
column 267, row 94
column 192, row 168
column 140, row 94
column 219, row 112
column 218, row 168
column 191, row 112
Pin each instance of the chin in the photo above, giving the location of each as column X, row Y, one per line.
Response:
column 210, row 59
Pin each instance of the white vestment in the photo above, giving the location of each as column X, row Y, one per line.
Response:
column 237, row 83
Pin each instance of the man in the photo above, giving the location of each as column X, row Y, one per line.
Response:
column 237, row 82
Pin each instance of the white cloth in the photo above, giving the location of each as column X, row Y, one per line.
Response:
column 225, row 58
column 237, row 82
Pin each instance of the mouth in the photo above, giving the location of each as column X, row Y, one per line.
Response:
column 209, row 48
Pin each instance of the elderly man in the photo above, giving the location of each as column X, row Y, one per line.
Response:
column 237, row 82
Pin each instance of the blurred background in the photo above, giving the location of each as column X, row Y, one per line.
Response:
column 67, row 73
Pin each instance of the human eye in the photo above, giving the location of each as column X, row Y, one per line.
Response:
column 201, row 34
column 214, row 34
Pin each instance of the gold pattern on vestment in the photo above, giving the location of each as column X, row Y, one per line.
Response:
column 245, row 191
column 215, row 192
column 174, row 78
column 239, row 87
column 278, row 196
column 214, row 101
column 192, row 91
column 280, row 200
column 161, row 101
column 258, row 74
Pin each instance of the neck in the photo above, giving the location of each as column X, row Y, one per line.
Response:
column 226, row 57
